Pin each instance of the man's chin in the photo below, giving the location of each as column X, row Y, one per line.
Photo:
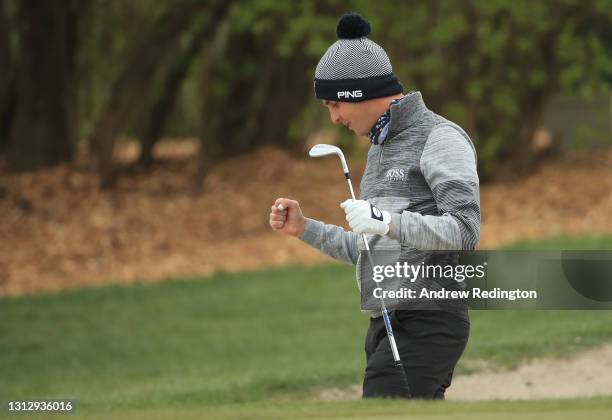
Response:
column 357, row 133
column 354, row 131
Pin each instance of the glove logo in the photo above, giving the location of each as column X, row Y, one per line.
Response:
column 376, row 213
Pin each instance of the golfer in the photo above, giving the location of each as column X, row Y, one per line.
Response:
column 419, row 194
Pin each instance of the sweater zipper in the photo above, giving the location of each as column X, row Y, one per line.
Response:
column 380, row 156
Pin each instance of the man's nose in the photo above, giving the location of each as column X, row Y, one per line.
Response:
column 335, row 116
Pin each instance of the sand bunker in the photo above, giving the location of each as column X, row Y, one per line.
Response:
column 586, row 374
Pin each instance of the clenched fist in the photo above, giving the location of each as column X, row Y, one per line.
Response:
column 286, row 217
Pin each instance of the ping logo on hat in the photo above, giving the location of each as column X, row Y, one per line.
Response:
column 350, row 94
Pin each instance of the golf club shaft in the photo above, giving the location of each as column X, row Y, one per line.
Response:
column 383, row 307
column 319, row 150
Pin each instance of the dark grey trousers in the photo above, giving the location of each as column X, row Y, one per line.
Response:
column 429, row 342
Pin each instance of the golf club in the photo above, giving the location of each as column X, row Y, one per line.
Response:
column 320, row 150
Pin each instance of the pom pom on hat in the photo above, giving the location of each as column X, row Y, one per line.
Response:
column 352, row 25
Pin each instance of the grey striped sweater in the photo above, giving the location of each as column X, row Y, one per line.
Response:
column 425, row 175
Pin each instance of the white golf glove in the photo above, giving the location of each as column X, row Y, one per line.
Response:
column 363, row 217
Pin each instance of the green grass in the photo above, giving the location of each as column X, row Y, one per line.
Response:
column 566, row 409
column 394, row 410
column 227, row 339
column 232, row 345
column 564, row 242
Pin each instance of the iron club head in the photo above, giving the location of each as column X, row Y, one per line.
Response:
column 319, row 150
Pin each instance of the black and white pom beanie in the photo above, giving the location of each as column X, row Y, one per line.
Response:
column 354, row 68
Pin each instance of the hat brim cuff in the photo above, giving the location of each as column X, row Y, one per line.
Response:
column 357, row 90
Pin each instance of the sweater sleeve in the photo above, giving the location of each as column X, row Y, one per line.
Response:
column 448, row 164
column 332, row 240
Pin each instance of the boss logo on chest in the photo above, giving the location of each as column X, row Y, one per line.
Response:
column 396, row 174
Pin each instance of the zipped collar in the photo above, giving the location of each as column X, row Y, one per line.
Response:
column 406, row 112
column 378, row 133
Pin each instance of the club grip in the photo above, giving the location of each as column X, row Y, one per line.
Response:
column 400, row 367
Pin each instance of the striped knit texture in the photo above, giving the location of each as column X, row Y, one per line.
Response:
column 353, row 59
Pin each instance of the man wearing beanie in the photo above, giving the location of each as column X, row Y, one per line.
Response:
column 419, row 195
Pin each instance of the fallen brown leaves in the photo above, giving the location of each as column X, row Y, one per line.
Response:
column 59, row 230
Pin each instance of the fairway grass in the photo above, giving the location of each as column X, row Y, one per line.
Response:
column 583, row 408
column 249, row 345
column 587, row 242
column 395, row 410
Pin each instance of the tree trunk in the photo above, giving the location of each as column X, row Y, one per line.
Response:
column 129, row 88
column 170, row 91
column 533, row 100
column 209, row 144
column 8, row 88
column 44, row 130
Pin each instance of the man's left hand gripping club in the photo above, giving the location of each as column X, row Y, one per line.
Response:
column 364, row 217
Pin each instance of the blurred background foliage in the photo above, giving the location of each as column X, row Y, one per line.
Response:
column 238, row 74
